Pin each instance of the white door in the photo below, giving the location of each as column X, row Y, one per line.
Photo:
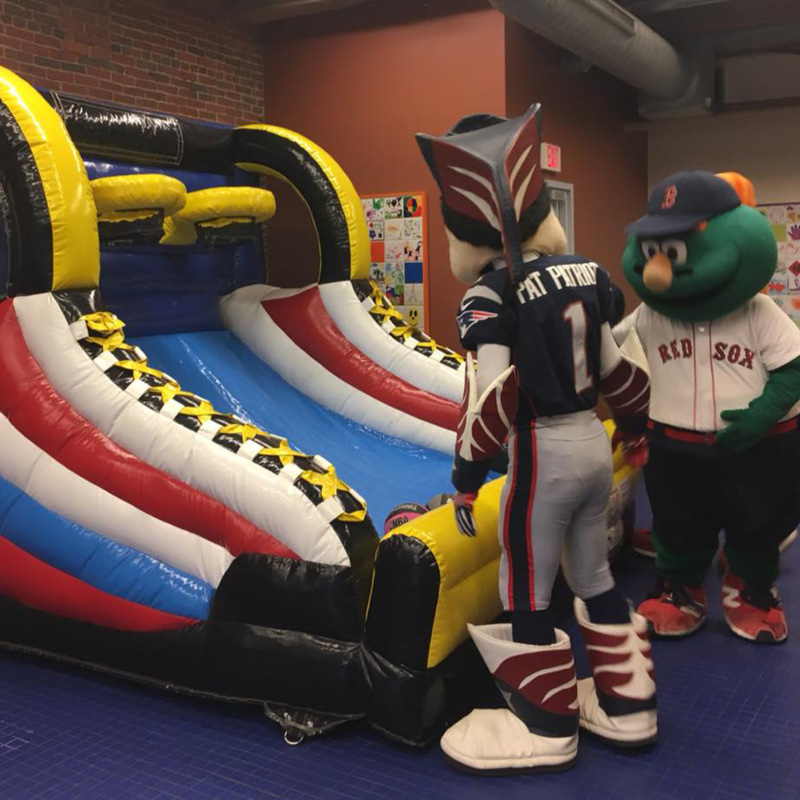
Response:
column 561, row 200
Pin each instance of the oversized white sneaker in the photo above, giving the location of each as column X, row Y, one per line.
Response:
column 618, row 703
column 494, row 741
column 627, row 730
column 540, row 731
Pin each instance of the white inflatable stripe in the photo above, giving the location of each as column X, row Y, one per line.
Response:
column 55, row 487
column 253, row 325
column 356, row 325
column 171, row 408
column 249, row 450
column 290, row 472
column 136, row 388
column 269, row 502
column 80, row 330
column 332, row 507
column 105, row 360
column 209, row 429
column 321, row 462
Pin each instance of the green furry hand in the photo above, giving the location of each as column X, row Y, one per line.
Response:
column 750, row 425
column 745, row 431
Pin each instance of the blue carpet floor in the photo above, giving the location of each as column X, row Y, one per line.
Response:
column 729, row 730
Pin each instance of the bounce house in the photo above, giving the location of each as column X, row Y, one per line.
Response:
column 191, row 459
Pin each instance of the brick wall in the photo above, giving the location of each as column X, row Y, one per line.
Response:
column 186, row 57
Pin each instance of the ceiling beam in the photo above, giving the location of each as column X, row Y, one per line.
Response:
column 258, row 11
column 645, row 7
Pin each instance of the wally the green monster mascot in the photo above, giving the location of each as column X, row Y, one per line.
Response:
column 725, row 396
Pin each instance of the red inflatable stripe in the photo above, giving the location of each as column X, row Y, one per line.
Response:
column 37, row 585
column 45, row 418
column 304, row 318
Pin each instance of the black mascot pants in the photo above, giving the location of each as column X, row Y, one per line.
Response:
column 697, row 490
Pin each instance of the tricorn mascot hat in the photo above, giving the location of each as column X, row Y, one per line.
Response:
column 493, row 192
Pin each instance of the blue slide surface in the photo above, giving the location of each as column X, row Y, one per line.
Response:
column 384, row 470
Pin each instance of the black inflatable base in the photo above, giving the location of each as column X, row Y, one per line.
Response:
column 306, row 683
column 219, row 659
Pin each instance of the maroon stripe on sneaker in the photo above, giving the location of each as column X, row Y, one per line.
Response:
column 535, row 675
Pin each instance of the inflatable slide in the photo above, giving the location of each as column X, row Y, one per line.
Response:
column 191, row 459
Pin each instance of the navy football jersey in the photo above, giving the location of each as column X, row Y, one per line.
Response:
column 552, row 327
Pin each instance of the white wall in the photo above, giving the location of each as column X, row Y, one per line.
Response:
column 764, row 146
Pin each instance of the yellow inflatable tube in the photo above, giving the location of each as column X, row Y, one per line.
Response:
column 54, row 205
column 122, row 198
column 215, row 208
column 430, row 581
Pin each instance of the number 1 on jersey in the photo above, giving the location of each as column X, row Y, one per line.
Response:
column 575, row 315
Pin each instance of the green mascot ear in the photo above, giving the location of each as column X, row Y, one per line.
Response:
column 633, row 260
column 728, row 262
column 759, row 251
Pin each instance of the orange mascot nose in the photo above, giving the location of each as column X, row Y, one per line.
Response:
column 658, row 273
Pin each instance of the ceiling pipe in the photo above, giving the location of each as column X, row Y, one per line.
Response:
column 608, row 36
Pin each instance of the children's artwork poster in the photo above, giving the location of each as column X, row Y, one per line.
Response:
column 784, row 288
column 397, row 226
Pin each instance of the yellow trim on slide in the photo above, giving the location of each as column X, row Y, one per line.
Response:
column 345, row 191
column 76, row 248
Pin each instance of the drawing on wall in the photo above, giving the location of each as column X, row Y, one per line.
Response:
column 397, row 226
column 784, row 288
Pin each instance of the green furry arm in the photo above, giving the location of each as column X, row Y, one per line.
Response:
column 750, row 425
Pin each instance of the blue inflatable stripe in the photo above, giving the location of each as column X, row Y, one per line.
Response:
column 108, row 566
column 385, row 470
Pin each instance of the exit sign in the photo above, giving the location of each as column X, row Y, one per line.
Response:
column 550, row 157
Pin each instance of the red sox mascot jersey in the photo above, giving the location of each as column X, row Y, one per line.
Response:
column 698, row 370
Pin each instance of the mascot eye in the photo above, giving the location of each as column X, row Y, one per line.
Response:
column 649, row 248
column 674, row 250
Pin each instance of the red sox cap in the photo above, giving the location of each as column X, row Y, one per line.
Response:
column 682, row 201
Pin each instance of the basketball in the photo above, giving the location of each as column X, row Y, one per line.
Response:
column 401, row 514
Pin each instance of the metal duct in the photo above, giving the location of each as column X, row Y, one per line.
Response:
column 605, row 34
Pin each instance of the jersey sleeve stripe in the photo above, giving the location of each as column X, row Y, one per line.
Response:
column 484, row 292
column 638, row 384
column 617, row 380
column 631, row 392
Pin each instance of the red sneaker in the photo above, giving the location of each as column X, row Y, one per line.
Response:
column 754, row 615
column 675, row 610
column 642, row 543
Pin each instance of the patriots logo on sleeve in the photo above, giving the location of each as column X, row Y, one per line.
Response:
column 472, row 316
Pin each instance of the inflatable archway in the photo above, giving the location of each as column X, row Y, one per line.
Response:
column 168, row 506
